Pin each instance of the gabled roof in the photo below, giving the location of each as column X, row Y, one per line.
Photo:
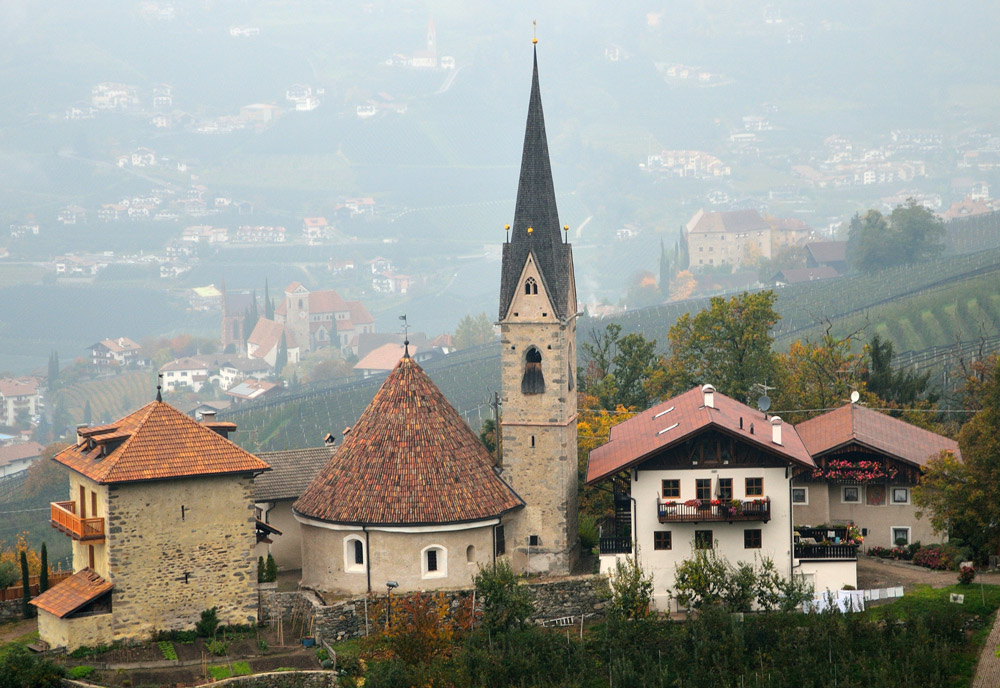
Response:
column 827, row 251
column 684, row 416
column 267, row 335
column 326, row 301
column 409, row 460
column 9, row 453
column 536, row 208
column 732, row 221
column 359, row 314
column 856, row 424
column 291, row 472
column 797, row 275
column 154, row 443
column 384, row 357
column 250, row 389
column 10, row 387
column 71, row 593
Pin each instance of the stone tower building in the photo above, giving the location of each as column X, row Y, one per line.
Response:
column 538, row 333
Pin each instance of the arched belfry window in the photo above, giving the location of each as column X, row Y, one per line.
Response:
column 530, row 286
column 532, row 382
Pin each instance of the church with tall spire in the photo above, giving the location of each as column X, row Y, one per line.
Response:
column 538, row 312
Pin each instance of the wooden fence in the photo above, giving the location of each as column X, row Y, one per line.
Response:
column 15, row 592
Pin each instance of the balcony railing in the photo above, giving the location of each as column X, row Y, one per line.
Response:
column 64, row 518
column 842, row 552
column 728, row 510
column 616, row 545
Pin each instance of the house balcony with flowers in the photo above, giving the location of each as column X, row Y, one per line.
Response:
column 727, row 510
column 827, row 542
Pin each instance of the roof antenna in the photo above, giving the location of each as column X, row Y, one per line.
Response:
column 406, row 336
column 159, row 379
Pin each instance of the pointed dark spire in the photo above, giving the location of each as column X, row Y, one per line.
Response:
column 159, row 379
column 536, row 218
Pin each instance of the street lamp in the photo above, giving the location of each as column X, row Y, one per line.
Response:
column 389, row 585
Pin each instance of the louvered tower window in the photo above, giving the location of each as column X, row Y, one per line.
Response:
column 533, row 382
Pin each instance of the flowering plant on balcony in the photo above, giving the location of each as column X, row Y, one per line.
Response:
column 696, row 503
column 855, row 471
column 853, row 536
column 670, row 502
column 716, row 502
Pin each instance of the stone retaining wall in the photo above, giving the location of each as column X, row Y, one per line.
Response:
column 10, row 610
column 577, row 596
column 278, row 679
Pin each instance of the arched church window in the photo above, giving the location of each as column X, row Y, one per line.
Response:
column 530, row 286
column 532, row 382
column 354, row 554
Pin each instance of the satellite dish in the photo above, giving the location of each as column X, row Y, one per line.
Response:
column 855, row 396
column 764, row 403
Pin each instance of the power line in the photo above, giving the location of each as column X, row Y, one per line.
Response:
column 871, row 408
column 24, row 511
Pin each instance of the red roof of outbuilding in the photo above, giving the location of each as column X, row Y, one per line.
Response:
column 888, row 435
column 72, row 593
column 685, row 415
column 154, row 443
column 409, row 460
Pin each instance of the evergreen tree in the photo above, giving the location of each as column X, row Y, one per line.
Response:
column 281, row 360
column 270, row 569
column 684, row 257
column 43, row 574
column 87, row 413
column 25, row 587
column 252, row 315
column 900, row 387
column 666, row 269
column 53, row 370
column 268, row 304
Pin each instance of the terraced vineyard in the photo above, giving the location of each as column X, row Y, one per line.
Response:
column 110, row 397
column 466, row 378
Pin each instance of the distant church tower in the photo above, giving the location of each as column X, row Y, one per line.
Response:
column 538, row 335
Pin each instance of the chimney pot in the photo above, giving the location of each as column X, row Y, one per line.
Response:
column 709, row 393
column 776, row 429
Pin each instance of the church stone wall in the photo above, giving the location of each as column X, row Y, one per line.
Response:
column 540, row 446
column 151, row 546
column 393, row 556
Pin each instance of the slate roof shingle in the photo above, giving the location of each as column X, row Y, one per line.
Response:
column 291, row 472
column 72, row 593
column 878, row 431
column 409, row 460
column 536, row 208
column 638, row 438
column 156, row 442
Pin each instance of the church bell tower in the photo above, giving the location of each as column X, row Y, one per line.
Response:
column 538, row 334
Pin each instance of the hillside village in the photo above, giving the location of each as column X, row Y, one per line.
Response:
column 779, row 436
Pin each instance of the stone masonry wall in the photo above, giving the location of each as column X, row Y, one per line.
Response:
column 169, row 564
column 577, row 596
column 10, row 610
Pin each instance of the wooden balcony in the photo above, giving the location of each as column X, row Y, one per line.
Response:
column 64, row 518
column 746, row 510
column 821, row 552
column 616, row 545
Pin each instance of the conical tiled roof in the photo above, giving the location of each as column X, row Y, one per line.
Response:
column 536, row 208
column 409, row 460
column 154, row 443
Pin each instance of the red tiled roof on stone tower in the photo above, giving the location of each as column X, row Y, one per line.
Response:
column 409, row 460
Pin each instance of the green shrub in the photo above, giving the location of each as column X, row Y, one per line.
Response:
column 506, row 603
column 217, row 647
column 8, row 574
column 270, row 570
column 350, row 665
column 241, row 669
column 87, row 651
column 260, row 569
column 208, row 624
column 587, row 530
column 82, row 671
column 20, row 668
column 322, row 654
column 630, row 590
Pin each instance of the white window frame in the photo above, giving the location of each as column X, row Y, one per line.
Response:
column 892, row 535
column 892, row 496
column 350, row 566
column 804, row 502
column 843, row 494
column 442, row 562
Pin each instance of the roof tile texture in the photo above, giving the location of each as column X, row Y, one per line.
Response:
column 72, row 593
column 156, row 442
column 409, row 460
column 637, row 438
column 291, row 472
column 853, row 423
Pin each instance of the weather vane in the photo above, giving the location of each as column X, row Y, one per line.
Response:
column 534, row 32
column 406, row 329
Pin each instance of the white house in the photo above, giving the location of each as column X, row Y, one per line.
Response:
column 702, row 471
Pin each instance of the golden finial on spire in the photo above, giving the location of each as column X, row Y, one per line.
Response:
column 530, row 230
column 534, row 32
column 507, row 227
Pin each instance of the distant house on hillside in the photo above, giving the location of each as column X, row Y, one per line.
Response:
column 827, row 253
column 16, row 457
column 114, row 354
column 727, row 238
column 19, row 398
column 799, row 275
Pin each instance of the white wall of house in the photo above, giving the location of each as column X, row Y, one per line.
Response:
column 826, row 575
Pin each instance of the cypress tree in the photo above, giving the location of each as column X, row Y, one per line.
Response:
column 53, row 370
column 87, row 413
column 43, row 575
column 665, row 269
column 25, row 587
column 268, row 304
column 281, row 359
column 270, row 569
